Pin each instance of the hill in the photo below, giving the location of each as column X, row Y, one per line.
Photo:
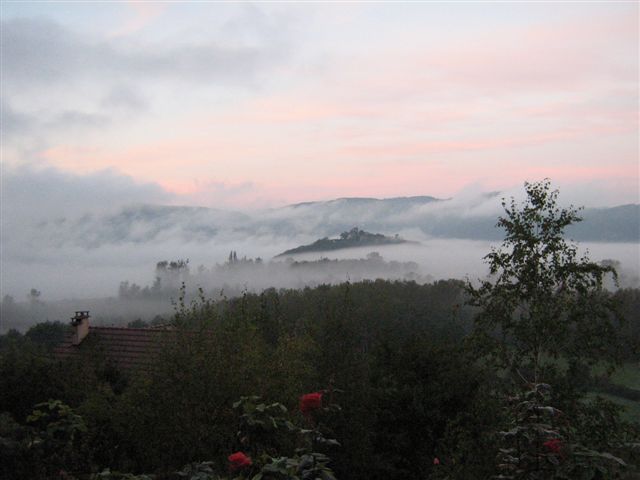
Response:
column 350, row 239
column 161, row 225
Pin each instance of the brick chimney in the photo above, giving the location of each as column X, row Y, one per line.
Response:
column 80, row 322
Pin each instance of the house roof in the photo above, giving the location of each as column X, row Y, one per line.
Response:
column 127, row 348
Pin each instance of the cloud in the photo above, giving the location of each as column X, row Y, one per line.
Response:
column 212, row 111
column 139, row 15
column 64, row 86
column 43, row 214
column 125, row 98
column 17, row 125
column 71, row 119
column 38, row 52
column 34, row 193
column 61, row 85
column 216, row 194
column 14, row 123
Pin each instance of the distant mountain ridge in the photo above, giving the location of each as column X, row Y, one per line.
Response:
column 416, row 200
column 427, row 215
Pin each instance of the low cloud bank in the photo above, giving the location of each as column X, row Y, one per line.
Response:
column 80, row 236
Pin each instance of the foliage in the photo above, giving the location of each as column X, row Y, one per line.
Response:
column 533, row 446
column 107, row 474
column 546, row 308
column 266, row 431
column 463, row 451
column 541, row 442
column 275, row 344
column 199, row 471
column 47, row 334
column 51, row 442
column 28, row 377
column 628, row 302
column 545, row 300
column 15, row 458
column 419, row 391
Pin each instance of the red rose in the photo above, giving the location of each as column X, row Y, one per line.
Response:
column 310, row 402
column 554, row 445
column 239, row 460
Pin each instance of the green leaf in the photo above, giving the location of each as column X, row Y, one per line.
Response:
column 613, row 458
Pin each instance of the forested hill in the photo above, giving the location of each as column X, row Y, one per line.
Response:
column 352, row 238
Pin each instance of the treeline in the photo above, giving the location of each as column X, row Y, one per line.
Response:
column 239, row 274
column 372, row 340
column 411, row 390
column 231, row 278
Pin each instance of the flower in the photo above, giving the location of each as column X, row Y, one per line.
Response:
column 239, row 460
column 310, row 402
column 554, row 445
column 436, row 461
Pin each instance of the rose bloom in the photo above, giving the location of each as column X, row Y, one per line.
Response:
column 554, row 445
column 239, row 460
column 310, row 402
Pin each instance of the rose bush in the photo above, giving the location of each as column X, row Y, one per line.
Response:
column 310, row 402
column 554, row 445
column 239, row 461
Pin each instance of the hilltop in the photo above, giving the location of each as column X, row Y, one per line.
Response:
column 350, row 239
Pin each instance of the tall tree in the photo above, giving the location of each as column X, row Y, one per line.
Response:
column 544, row 300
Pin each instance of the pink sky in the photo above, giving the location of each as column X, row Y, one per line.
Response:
column 278, row 103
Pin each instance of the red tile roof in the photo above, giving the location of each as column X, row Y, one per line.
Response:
column 127, row 348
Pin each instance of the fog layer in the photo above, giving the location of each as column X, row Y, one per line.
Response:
column 80, row 236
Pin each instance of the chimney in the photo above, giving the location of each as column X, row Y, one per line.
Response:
column 81, row 323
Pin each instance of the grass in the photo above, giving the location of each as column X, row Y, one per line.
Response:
column 628, row 375
column 631, row 409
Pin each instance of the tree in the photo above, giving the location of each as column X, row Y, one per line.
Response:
column 47, row 334
column 34, row 296
column 545, row 301
column 8, row 301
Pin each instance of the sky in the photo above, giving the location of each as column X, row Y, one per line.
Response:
column 112, row 113
column 241, row 105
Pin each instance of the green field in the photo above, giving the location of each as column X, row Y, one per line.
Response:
column 631, row 408
column 627, row 375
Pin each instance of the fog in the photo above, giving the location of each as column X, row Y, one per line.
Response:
column 455, row 258
column 78, row 237
column 61, row 266
column 76, row 272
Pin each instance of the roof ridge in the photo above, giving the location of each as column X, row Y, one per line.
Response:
column 128, row 329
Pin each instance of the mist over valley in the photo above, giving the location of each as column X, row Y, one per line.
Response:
column 81, row 259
